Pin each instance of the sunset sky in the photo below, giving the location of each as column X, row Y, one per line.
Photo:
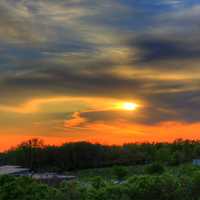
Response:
column 107, row 71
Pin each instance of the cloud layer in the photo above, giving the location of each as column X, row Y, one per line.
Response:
column 146, row 51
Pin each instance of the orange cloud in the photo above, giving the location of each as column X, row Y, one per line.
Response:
column 33, row 105
column 37, row 104
column 75, row 121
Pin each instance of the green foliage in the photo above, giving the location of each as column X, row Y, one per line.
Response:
column 176, row 158
column 163, row 154
column 155, row 168
column 120, row 172
column 73, row 191
column 24, row 188
column 97, row 182
column 140, row 187
column 154, row 187
column 182, row 184
column 195, row 185
column 82, row 155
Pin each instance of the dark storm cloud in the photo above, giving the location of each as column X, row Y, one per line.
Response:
column 69, row 82
column 155, row 50
column 172, row 39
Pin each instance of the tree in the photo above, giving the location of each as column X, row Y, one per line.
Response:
column 24, row 188
column 155, row 168
column 120, row 172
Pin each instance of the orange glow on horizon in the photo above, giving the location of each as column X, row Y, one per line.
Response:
column 116, row 133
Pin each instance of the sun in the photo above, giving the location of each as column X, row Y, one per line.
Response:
column 126, row 106
column 129, row 106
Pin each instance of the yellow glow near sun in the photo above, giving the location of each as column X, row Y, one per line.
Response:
column 129, row 106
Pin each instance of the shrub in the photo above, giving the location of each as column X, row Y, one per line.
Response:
column 155, row 168
column 120, row 172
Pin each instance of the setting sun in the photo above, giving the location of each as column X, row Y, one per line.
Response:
column 77, row 80
column 129, row 106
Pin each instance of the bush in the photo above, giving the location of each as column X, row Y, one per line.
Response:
column 120, row 172
column 141, row 187
column 24, row 188
column 73, row 191
column 154, row 188
column 98, row 182
column 155, row 168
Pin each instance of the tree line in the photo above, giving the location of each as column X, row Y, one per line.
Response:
column 35, row 155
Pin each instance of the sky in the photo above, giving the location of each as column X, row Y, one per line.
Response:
column 67, row 67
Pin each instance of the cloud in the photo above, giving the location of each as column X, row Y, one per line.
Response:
column 16, row 23
column 75, row 121
column 156, row 50
column 171, row 38
column 85, row 49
